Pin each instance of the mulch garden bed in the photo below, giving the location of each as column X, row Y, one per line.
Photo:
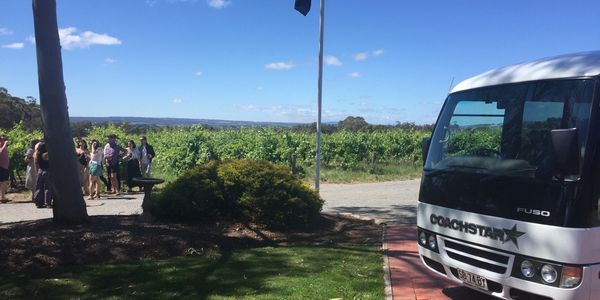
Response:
column 42, row 244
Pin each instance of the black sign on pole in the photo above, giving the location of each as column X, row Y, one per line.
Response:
column 303, row 6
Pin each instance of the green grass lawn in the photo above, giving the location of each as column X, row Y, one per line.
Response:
column 261, row 273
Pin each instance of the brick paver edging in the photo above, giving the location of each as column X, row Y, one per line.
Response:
column 409, row 278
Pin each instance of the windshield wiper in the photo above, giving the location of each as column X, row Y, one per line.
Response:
column 434, row 172
column 449, row 169
column 497, row 174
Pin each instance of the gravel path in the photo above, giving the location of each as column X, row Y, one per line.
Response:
column 389, row 202
column 114, row 205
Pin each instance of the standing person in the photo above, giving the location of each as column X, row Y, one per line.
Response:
column 112, row 153
column 133, row 164
column 95, row 169
column 43, row 195
column 4, row 162
column 82, row 157
column 146, row 156
column 31, row 173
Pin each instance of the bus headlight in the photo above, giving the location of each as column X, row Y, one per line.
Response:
column 431, row 242
column 427, row 240
column 549, row 274
column 557, row 275
column 527, row 269
column 571, row 276
column 423, row 238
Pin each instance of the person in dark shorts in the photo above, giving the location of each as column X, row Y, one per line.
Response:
column 112, row 154
column 4, row 162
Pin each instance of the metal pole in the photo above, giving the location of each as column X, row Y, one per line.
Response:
column 451, row 84
column 320, row 94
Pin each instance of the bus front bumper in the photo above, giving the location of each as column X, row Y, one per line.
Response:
column 507, row 287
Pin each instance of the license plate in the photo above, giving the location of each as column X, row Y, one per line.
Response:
column 472, row 279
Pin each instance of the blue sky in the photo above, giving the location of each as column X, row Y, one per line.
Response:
column 256, row 60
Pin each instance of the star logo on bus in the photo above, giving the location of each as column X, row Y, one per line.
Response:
column 512, row 234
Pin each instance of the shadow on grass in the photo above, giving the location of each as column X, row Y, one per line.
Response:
column 106, row 239
column 261, row 273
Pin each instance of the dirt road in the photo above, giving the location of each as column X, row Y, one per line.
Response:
column 389, row 202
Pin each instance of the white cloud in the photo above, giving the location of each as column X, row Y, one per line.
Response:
column 218, row 3
column 332, row 61
column 280, row 65
column 14, row 46
column 5, row 31
column 198, row 73
column 110, row 61
column 292, row 113
column 182, row 1
column 70, row 39
column 354, row 74
column 31, row 39
column 247, row 106
column 152, row 3
column 338, row 109
column 361, row 56
column 177, row 100
column 259, row 88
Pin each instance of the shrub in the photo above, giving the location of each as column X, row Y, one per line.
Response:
column 195, row 196
column 245, row 190
column 269, row 194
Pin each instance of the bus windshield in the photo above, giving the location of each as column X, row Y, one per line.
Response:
column 491, row 151
column 506, row 129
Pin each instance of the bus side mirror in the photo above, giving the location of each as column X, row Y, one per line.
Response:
column 566, row 150
column 425, row 147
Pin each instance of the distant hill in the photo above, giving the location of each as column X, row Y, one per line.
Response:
column 14, row 110
column 181, row 122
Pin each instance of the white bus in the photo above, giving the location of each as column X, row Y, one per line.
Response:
column 510, row 191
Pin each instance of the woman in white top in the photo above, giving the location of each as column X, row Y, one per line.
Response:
column 95, row 169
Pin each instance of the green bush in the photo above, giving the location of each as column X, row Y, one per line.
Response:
column 269, row 194
column 195, row 196
column 244, row 190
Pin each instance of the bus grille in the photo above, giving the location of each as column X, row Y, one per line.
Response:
column 491, row 261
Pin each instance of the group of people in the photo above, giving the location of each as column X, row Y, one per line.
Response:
column 96, row 158
column 92, row 162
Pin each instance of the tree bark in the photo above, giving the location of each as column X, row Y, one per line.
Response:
column 69, row 206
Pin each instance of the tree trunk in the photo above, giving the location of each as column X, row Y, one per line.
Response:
column 69, row 206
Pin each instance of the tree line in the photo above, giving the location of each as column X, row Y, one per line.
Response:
column 14, row 110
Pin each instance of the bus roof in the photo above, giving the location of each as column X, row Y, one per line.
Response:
column 564, row 66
